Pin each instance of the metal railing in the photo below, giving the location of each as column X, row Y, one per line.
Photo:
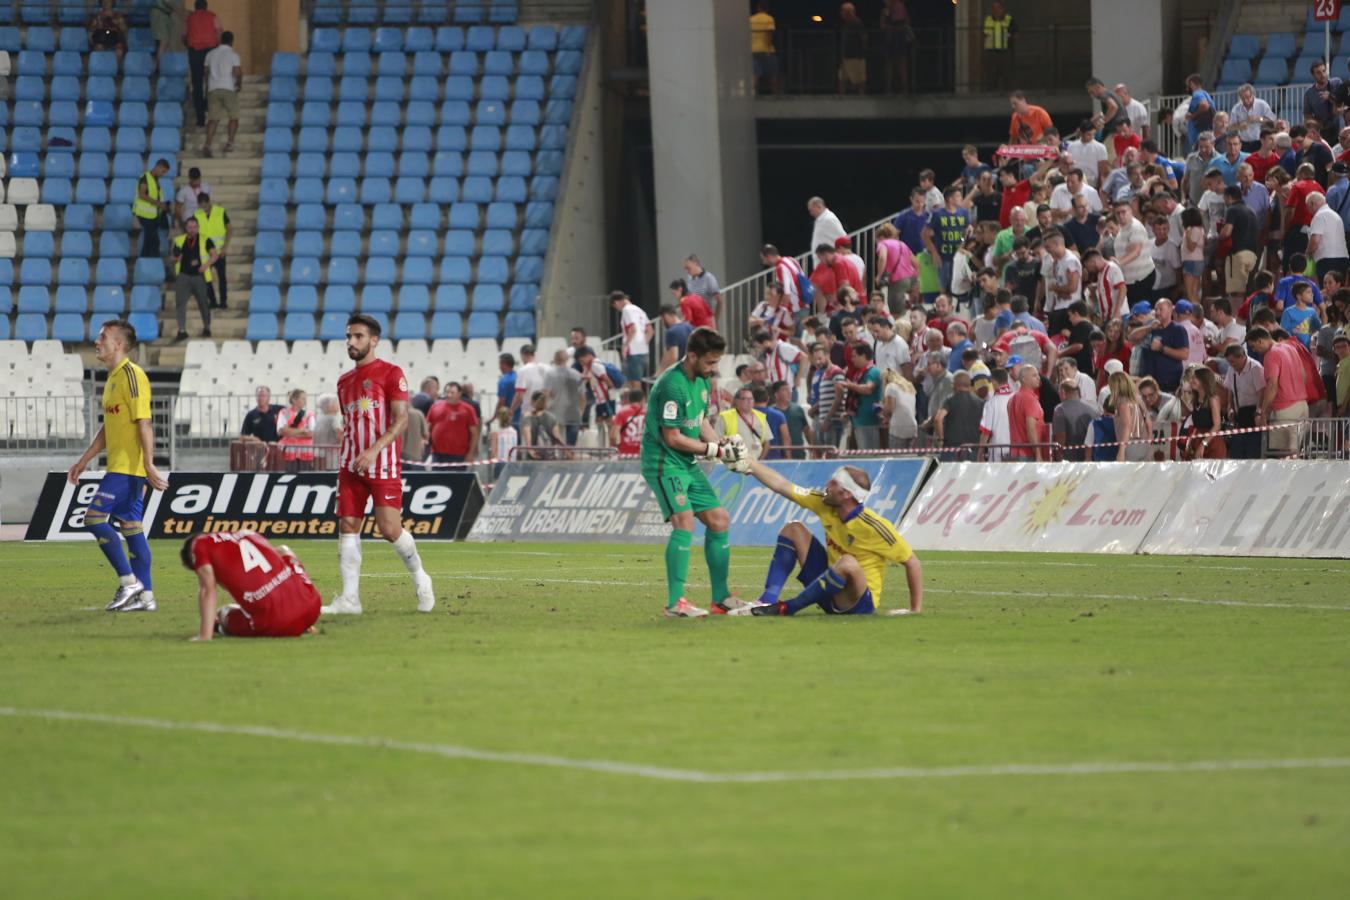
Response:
column 1286, row 101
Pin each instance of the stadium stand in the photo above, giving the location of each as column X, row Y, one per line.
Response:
column 43, row 392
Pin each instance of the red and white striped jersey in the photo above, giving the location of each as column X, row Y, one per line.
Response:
column 785, row 272
column 602, row 387
column 366, row 394
column 779, row 362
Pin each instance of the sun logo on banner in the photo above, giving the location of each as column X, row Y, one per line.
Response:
column 1045, row 509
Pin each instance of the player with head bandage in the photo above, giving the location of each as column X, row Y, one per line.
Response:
column 846, row 574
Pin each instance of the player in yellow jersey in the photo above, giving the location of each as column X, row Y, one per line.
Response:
column 847, row 574
column 129, row 440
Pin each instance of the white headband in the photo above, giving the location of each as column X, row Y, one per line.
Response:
column 845, row 481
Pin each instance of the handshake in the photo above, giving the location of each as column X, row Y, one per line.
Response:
column 733, row 453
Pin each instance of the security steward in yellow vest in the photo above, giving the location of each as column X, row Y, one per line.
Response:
column 743, row 419
column 214, row 224
column 150, row 208
column 194, row 256
column 998, row 32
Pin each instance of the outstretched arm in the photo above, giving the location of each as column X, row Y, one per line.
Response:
column 771, row 479
column 914, row 576
column 206, row 603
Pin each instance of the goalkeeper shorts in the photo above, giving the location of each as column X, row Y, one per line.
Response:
column 679, row 489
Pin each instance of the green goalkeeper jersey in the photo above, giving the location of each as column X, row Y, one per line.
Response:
column 676, row 401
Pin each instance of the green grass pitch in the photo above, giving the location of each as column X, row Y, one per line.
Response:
column 1085, row 666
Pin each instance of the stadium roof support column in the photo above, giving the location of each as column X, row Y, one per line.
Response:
column 705, row 151
column 1128, row 44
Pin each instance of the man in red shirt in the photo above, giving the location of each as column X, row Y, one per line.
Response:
column 374, row 401
column 1297, row 216
column 1285, row 395
column 454, row 428
column 202, row 35
column 693, row 307
column 1264, row 158
column 625, row 432
column 1015, row 192
column 1026, row 418
column 831, row 273
column 275, row 598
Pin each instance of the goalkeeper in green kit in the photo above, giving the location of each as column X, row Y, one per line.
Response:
column 677, row 436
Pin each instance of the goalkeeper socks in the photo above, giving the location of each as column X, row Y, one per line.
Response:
column 780, row 568
column 818, row 593
column 110, row 542
column 138, row 548
column 677, row 564
column 406, row 548
column 717, row 552
column 349, row 564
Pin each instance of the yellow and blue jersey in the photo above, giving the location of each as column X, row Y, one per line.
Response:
column 126, row 400
column 864, row 535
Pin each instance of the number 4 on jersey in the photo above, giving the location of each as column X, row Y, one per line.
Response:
column 253, row 558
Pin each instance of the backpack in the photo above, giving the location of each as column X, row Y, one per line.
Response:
column 615, row 374
column 806, row 290
column 1025, row 346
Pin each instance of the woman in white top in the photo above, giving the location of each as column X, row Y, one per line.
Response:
column 1133, row 254
column 900, row 404
column 1166, row 261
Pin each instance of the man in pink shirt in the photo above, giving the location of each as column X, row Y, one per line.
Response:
column 1184, row 316
column 1026, row 418
column 1285, row 396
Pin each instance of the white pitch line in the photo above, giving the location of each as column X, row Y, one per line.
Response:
column 663, row 773
column 1023, row 595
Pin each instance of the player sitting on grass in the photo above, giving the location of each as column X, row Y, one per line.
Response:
column 676, row 436
column 276, row 597
column 846, row 575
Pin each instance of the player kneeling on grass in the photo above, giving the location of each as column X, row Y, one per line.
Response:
column 275, row 596
column 846, row 576
column 676, row 437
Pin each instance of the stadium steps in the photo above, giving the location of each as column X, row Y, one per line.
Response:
column 234, row 180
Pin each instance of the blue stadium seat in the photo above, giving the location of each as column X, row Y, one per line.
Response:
column 562, row 87
column 470, row 11
column 122, row 191
column 284, row 89
column 316, row 63
column 351, row 114
column 479, row 38
column 359, row 65
column 66, row 87
column 538, row 215
column 348, row 217
column 392, row 65
column 34, row 300
column 90, row 191
column 418, row 270
column 262, row 326
column 299, row 326
column 79, row 217
column 534, row 62
column 465, row 215
column 58, row 165
column 30, row 113
column 476, row 189
column 520, row 138
column 455, row 112
column 345, row 243
column 285, row 64
column 382, row 137
column 376, row 190
column 149, row 270
column 524, row 112
column 146, row 325
column 305, row 270
column 325, row 40
column 443, row 189
column 73, row 272
column 355, row 40
column 494, row 87
column 485, row 137
column 572, row 37
column 333, row 325
column 552, row 137
column 424, row 87
column 1280, row 45
column 303, row 243
column 277, row 140
column 544, row 187
column 504, row 12
column 312, row 140
column 542, row 37
column 1271, row 71
column 146, row 298
column 138, row 63
column 501, row 215
column 490, row 112
column 425, row 216
column 343, row 271
column 25, row 164
column 35, row 272
column 383, row 242
column 26, row 140
column 523, row 297
column 132, row 140
column 481, row 325
column 449, row 38
column 39, row 245
column 1235, row 71
column 464, row 62
column 310, row 217
column 276, row 165
column 103, row 62
column 363, row 14
column 530, row 87
column 163, row 139
column 481, row 163
column 420, row 113
column 167, row 90
column 118, row 218
column 529, row 269
column 133, row 115
column 414, row 298
column 271, row 217
column 32, row 62
column 77, row 245
column 318, row 90
column 386, row 216
column 516, row 162
column 111, row 243
column 99, row 112
column 519, row 325
column 71, row 39
column 109, row 300
column 455, row 270
column 488, row 298
column 339, row 298
column 499, row 62
column 548, row 163
column 460, row 242
column 558, row 112
column 174, row 65
column 67, row 62
column 72, row 297
column 168, row 115
column 410, row 325
column 448, row 163
column 418, row 40
column 266, row 270
column 445, row 326
column 264, row 298
column 460, row 87
column 315, row 114
column 413, row 164
column 376, row 298
column 492, row 270
column 451, row 298
column 307, row 190
column 427, row 63
column 381, row 270
column 68, row 328
column 421, row 243
column 30, row 88
column 498, row 242
column 1244, row 46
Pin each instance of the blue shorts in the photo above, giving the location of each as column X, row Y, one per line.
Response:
column 817, row 561
column 120, row 497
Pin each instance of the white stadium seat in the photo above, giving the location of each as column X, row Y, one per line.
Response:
column 39, row 216
column 9, row 217
column 9, row 248
column 24, row 192
column 200, row 354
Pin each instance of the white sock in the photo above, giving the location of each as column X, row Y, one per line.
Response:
column 125, row 580
column 406, row 548
column 349, row 563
